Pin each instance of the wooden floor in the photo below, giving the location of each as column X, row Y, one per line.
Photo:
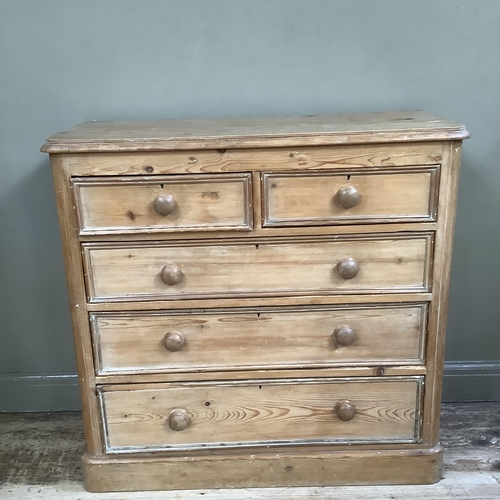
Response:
column 40, row 459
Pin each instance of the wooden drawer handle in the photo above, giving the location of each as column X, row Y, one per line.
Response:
column 174, row 341
column 344, row 335
column 178, row 420
column 348, row 197
column 164, row 204
column 171, row 274
column 347, row 268
column 345, row 410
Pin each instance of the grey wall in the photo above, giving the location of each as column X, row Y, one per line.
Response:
column 67, row 61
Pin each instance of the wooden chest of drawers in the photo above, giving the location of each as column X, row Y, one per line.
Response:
column 259, row 302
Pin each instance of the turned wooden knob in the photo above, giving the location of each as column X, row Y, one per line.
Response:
column 174, row 341
column 347, row 268
column 170, row 274
column 348, row 197
column 178, row 420
column 164, row 204
column 345, row 410
column 344, row 335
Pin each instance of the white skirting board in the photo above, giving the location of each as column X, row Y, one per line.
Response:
column 463, row 381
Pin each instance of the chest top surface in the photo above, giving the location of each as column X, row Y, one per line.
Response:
column 313, row 130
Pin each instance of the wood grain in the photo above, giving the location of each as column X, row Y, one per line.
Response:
column 285, row 268
column 244, row 302
column 264, row 159
column 77, row 302
column 270, row 469
column 311, row 198
column 134, row 343
column 203, row 375
column 267, row 412
column 439, row 306
column 42, row 450
column 251, row 284
column 258, row 232
column 399, row 126
column 125, row 205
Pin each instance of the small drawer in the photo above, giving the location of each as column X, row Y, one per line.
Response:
column 258, row 339
column 321, row 198
column 203, row 270
column 260, row 413
column 164, row 204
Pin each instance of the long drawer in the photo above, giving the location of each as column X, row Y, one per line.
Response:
column 164, row 203
column 277, row 267
column 258, row 412
column 261, row 338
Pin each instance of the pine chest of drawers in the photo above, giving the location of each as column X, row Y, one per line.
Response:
column 259, row 302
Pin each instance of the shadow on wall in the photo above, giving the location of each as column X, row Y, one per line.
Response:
column 475, row 273
column 36, row 329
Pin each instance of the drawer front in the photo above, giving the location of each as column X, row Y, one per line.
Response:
column 169, row 271
column 276, row 338
column 292, row 158
column 335, row 198
column 160, row 416
column 164, row 204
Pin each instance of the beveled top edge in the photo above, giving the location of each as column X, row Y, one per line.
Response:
column 313, row 130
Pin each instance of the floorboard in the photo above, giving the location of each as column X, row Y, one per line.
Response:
column 40, row 460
